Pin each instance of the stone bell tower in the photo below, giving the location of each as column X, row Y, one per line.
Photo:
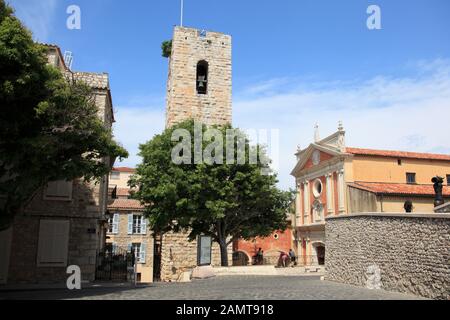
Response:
column 199, row 84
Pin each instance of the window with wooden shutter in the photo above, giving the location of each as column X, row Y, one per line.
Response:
column 53, row 243
column 115, row 223
column 144, row 224
column 142, row 253
column 59, row 190
column 130, row 224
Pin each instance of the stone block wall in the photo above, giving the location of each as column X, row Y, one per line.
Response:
column 407, row 253
column 83, row 212
column 82, row 250
column 179, row 255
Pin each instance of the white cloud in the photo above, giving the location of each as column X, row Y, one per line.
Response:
column 37, row 15
column 135, row 126
column 406, row 113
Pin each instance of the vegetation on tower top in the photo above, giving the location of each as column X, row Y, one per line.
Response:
column 166, row 48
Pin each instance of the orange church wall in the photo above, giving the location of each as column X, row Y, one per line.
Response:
column 379, row 169
column 269, row 244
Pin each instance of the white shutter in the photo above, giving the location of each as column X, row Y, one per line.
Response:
column 130, row 246
column 130, row 224
column 52, row 189
column 142, row 253
column 53, row 243
column 114, row 248
column 115, row 224
column 144, row 224
column 65, row 189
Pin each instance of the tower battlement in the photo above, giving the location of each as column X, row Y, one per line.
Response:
column 200, row 77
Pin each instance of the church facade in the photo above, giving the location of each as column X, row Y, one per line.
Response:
column 333, row 179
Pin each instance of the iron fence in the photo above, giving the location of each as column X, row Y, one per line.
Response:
column 115, row 265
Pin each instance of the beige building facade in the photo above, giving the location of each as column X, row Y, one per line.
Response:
column 129, row 231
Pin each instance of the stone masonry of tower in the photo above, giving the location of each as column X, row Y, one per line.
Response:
column 189, row 47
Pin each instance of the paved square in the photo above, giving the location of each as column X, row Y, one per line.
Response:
column 221, row 288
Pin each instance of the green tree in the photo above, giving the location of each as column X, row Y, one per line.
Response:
column 224, row 201
column 49, row 124
column 166, row 48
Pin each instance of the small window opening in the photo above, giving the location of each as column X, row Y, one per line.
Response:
column 202, row 77
column 411, row 178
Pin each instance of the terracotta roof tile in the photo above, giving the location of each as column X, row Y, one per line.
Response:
column 123, row 192
column 125, row 204
column 398, row 154
column 399, row 188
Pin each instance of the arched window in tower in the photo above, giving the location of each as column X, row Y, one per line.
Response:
column 202, row 77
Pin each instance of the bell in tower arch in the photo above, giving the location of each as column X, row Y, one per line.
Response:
column 202, row 77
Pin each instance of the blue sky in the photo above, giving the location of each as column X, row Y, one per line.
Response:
column 295, row 63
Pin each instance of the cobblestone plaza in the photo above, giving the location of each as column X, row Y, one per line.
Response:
column 221, row 288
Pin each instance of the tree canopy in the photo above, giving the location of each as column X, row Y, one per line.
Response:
column 49, row 124
column 222, row 200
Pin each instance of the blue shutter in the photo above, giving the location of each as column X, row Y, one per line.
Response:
column 114, row 248
column 130, row 224
column 130, row 246
column 144, row 225
column 142, row 253
column 115, row 224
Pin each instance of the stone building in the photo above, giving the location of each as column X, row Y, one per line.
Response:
column 199, row 82
column 65, row 223
column 333, row 179
column 199, row 88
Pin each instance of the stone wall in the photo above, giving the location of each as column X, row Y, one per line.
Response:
column 179, row 255
column 407, row 253
column 445, row 208
column 183, row 101
column 83, row 213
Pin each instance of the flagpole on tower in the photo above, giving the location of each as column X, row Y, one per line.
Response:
column 182, row 10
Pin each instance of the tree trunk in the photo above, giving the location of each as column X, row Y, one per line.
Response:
column 223, row 252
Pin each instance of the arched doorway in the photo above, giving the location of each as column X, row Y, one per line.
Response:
column 240, row 258
column 320, row 253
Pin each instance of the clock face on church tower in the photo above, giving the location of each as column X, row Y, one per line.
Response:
column 316, row 157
